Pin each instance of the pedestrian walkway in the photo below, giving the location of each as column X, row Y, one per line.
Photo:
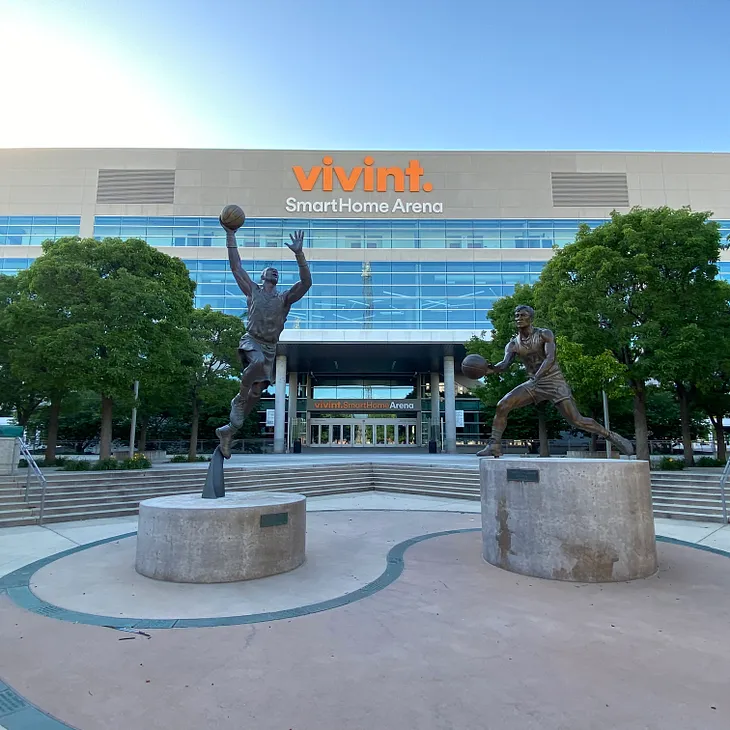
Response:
column 394, row 621
column 22, row 545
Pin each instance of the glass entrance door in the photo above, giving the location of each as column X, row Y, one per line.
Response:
column 361, row 432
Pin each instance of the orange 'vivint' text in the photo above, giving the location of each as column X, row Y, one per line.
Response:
column 374, row 179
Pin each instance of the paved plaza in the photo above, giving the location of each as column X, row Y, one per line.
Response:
column 394, row 621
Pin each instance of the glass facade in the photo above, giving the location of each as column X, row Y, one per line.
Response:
column 346, row 233
column 345, row 295
column 32, row 230
column 359, row 388
column 10, row 267
column 375, row 295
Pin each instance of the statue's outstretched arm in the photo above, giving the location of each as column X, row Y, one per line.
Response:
column 239, row 273
column 305, row 277
column 507, row 360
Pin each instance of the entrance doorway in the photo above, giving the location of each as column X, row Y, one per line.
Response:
column 362, row 432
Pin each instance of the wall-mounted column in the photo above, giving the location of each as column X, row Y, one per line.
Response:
column 293, row 388
column 435, row 408
column 449, row 404
column 280, row 405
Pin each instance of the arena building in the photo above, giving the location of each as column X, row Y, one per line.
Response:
column 408, row 252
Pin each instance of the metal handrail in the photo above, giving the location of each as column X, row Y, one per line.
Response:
column 723, row 498
column 35, row 469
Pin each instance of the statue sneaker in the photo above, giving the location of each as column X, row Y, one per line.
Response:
column 493, row 448
column 623, row 445
column 225, row 436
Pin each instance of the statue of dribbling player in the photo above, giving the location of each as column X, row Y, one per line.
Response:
column 267, row 312
column 535, row 347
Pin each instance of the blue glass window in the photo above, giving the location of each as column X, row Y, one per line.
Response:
column 33, row 230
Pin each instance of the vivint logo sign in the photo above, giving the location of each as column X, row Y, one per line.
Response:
column 367, row 178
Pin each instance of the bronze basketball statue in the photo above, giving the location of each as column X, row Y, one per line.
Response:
column 535, row 347
column 268, row 309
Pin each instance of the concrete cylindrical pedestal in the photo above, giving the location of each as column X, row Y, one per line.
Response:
column 583, row 520
column 244, row 535
column 9, row 455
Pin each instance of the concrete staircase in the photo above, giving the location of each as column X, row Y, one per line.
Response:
column 90, row 495
column 689, row 495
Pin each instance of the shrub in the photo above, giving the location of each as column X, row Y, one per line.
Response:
column 138, row 462
column 58, row 461
column 709, row 461
column 669, row 464
column 183, row 459
column 106, row 465
column 77, row 465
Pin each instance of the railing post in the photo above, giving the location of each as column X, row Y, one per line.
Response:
column 723, row 497
column 32, row 466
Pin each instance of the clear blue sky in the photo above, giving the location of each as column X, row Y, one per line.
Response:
column 371, row 74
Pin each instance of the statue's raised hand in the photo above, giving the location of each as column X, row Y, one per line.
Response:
column 297, row 241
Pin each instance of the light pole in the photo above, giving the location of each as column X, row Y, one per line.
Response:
column 133, row 426
column 605, row 423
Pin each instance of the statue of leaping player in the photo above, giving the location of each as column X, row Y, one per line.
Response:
column 267, row 312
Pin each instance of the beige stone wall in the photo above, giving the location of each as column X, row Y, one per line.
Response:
column 467, row 184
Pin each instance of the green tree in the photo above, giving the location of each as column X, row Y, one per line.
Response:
column 713, row 393
column 589, row 376
column 212, row 364
column 123, row 300
column 626, row 286
column 49, row 354
column 17, row 395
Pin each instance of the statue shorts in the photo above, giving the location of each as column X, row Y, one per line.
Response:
column 550, row 387
column 257, row 359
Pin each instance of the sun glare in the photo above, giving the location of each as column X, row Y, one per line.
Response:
column 63, row 90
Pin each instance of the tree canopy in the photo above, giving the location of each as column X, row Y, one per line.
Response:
column 633, row 287
column 107, row 313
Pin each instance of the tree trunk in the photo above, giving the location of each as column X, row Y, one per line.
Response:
column 105, row 440
column 52, row 439
column 641, row 429
column 684, row 414
column 193, row 449
column 543, row 431
column 142, row 441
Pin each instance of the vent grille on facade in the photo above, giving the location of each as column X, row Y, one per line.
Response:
column 136, row 186
column 590, row 190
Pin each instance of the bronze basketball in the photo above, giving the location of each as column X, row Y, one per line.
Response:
column 474, row 366
column 233, row 217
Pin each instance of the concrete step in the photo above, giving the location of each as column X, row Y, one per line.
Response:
column 235, row 478
column 21, row 511
column 137, row 496
column 693, row 508
column 693, row 504
column 10, row 498
column 129, row 505
column 17, row 522
column 679, row 478
column 688, row 493
column 434, row 492
column 194, row 479
column 689, row 515
column 108, row 493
